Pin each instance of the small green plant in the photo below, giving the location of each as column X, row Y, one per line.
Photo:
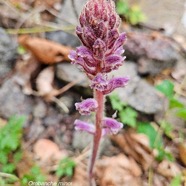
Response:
column 10, row 148
column 167, row 88
column 155, row 139
column 176, row 181
column 132, row 14
column 34, row 175
column 11, row 154
column 65, row 167
column 129, row 116
column 10, row 144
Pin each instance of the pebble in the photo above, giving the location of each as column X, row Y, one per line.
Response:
column 7, row 53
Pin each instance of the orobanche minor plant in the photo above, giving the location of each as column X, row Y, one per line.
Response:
column 100, row 53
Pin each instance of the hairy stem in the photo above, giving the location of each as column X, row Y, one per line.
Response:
column 97, row 137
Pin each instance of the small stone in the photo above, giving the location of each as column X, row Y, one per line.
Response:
column 153, row 53
column 36, row 129
column 53, row 117
column 144, row 98
column 138, row 93
column 70, row 73
column 81, row 140
column 13, row 101
column 7, row 53
column 63, row 38
column 40, row 109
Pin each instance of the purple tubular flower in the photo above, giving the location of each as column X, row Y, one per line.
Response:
column 87, row 106
column 116, row 82
column 83, row 59
column 84, row 126
column 111, row 126
column 107, row 86
column 99, row 83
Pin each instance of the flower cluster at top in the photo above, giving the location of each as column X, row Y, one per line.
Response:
column 100, row 53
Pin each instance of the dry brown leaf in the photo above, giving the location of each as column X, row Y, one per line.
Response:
column 118, row 170
column 159, row 180
column 46, row 151
column 47, row 52
column 168, row 169
column 25, row 70
column 80, row 176
column 44, row 81
column 25, row 164
column 182, row 152
column 136, row 146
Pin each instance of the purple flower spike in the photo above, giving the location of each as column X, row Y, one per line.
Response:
column 101, row 53
column 87, row 106
column 99, row 83
column 114, row 83
column 84, row 126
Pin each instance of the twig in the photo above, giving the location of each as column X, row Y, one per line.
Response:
column 150, row 177
column 61, row 104
column 74, row 8
column 10, row 176
column 65, row 88
column 34, row 30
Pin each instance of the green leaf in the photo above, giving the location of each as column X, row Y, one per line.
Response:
column 65, row 167
column 135, row 15
column 150, row 132
column 167, row 128
column 176, row 181
column 174, row 103
column 181, row 113
column 116, row 103
column 21, row 50
column 162, row 154
column 3, row 157
column 128, row 116
column 122, row 7
column 167, row 88
column 8, row 168
column 17, row 156
column 155, row 139
column 33, row 175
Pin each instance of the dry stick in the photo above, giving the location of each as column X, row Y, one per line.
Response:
column 28, row 16
column 74, row 8
column 25, row 17
column 6, row 175
column 66, row 87
column 57, row 16
column 61, row 91
column 60, row 104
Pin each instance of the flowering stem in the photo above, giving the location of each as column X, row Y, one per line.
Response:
column 97, row 137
